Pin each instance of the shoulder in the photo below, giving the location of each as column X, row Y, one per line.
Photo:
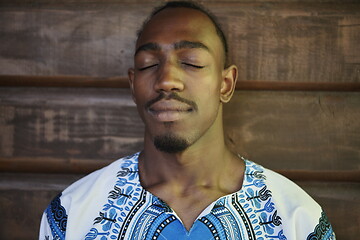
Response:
column 283, row 190
column 300, row 215
column 299, row 208
column 73, row 206
column 102, row 178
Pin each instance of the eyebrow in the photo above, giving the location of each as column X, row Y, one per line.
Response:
column 189, row 44
column 148, row 47
column 178, row 45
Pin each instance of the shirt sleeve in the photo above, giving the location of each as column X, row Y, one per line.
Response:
column 53, row 221
column 323, row 230
column 301, row 215
column 45, row 231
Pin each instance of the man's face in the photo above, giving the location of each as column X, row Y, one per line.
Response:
column 177, row 78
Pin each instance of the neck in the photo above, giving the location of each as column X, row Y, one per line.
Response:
column 191, row 180
column 207, row 164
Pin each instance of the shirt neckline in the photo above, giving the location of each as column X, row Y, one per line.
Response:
column 210, row 207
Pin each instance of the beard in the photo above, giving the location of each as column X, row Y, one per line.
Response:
column 170, row 143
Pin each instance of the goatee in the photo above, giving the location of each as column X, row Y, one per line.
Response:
column 170, row 144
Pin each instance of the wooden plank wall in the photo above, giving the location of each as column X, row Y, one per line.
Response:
column 65, row 107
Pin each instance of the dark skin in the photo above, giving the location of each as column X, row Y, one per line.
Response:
column 179, row 51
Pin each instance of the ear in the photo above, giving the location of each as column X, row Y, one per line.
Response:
column 131, row 75
column 228, row 84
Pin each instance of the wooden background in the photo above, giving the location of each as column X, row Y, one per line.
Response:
column 65, row 107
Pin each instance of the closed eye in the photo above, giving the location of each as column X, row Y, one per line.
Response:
column 147, row 67
column 193, row 65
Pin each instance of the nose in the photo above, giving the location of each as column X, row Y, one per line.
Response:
column 169, row 79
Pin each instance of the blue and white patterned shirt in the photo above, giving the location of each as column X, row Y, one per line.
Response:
column 111, row 204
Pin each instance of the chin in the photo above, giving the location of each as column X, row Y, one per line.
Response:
column 170, row 143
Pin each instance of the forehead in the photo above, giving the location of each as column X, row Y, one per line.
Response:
column 180, row 24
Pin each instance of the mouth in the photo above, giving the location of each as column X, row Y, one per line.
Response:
column 169, row 110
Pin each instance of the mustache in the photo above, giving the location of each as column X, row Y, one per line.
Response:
column 172, row 95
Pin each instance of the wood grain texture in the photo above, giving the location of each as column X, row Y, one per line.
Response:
column 78, row 130
column 83, row 166
column 66, row 128
column 285, row 41
column 23, row 198
column 321, row 175
column 64, row 81
column 30, row 194
column 123, row 82
column 283, row 129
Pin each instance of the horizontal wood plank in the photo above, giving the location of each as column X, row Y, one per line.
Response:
column 281, row 130
column 269, row 41
column 37, row 182
column 63, row 81
column 123, row 82
column 84, row 166
column 31, row 193
column 322, row 176
column 84, row 128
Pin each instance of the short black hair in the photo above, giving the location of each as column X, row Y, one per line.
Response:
column 198, row 7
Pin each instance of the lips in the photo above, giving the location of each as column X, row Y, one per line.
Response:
column 169, row 110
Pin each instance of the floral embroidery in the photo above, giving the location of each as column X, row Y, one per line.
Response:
column 57, row 218
column 123, row 201
column 323, row 231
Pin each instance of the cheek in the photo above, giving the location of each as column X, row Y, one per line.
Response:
column 211, row 98
column 139, row 97
column 141, row 91
column 208, row 101
column 207, row 90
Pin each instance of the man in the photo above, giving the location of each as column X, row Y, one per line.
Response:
column 186, row 183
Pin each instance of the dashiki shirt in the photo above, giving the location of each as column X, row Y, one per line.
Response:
column 111, row 204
